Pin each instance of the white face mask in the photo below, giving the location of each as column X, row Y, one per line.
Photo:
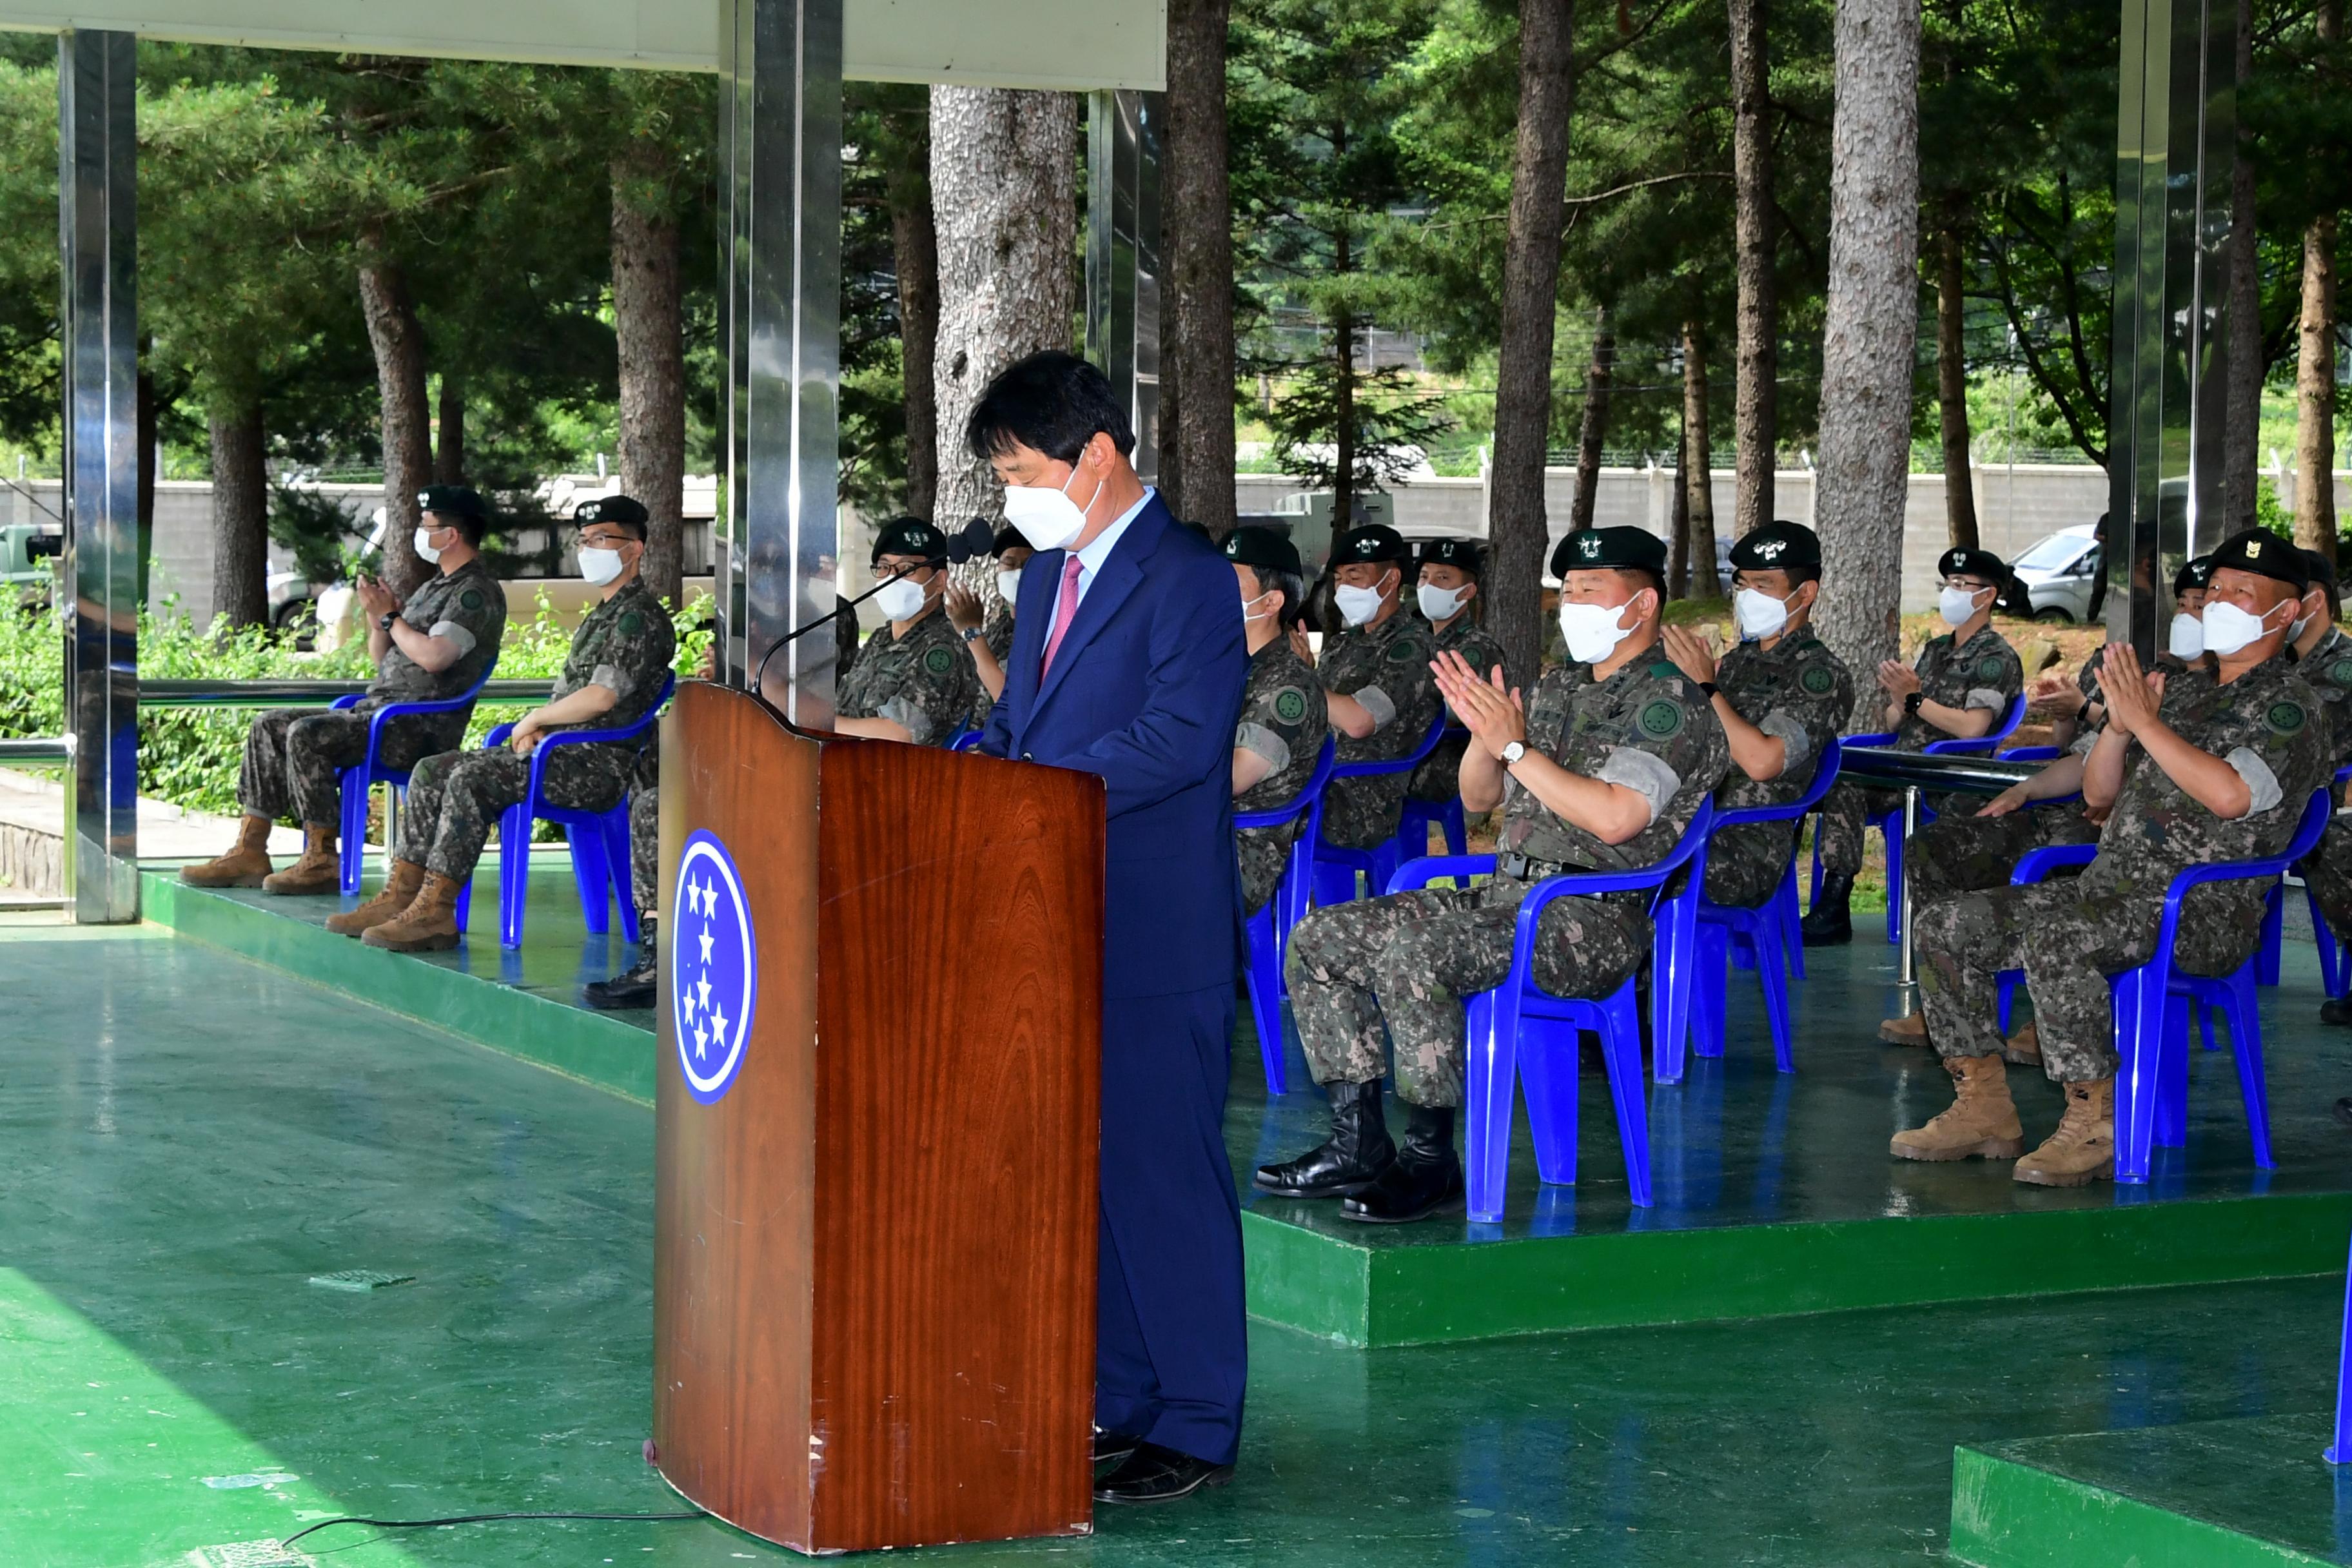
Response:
column 2229, row 629
column 599, row 566
column 1008, row 586
column 1761, row 615
column 1591, row 631
column 1356, row 605
column 1441, row 604
column 425, row 550
column 901, row 599
column 2188, row 638
column 2302, row 624
column 1262, row 615
column 1956, row 604
column 1045, row 515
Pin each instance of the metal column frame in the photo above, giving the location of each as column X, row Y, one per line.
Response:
column 98, row 231
column 2175, row 146
column 1123, row 256
column 780, row 144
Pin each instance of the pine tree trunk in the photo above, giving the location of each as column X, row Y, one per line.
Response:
column 1343, row 418
column 1516, row 531
column 449, row 431
column 1196, row 247
column 1952, row 377
column 1698, row 467
column 914, row 255
column 649, row 329
column 1005, row 194
column 1678, row 540
column 399, row 343
column 240, row 513
column 2242, row 431
column 2314, row 394
column 1871, row 329
column 1756, row 403
column 1594, row 428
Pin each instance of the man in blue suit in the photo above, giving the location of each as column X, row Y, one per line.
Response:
column 1127, row 662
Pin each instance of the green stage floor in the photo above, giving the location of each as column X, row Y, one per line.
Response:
column 191, row 1136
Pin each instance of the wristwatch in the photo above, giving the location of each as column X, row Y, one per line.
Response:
column 1911, row 703
column 1513, row 753
column 1712, row 691
column 384, row 622
column 972, row 634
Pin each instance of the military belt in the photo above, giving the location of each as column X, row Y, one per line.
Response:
column 1521, row 868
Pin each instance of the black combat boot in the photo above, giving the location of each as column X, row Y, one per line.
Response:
column 630, row 988
column 1354, row 1157
column 1828, row 922
column 1425, row 1177
column 2337, row 1010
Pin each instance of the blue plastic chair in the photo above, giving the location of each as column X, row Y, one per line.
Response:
column 2339, row 1452
column 600, row 839
column 965, row 739
column 1890, row 824
column 1421, row 816
column 1268, row 930
column 1762, row 931
column 357, row 781
column 2335, row 963
column 1494, row 1063
column 1335, row 869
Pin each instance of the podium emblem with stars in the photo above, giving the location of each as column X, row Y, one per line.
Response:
column 714, row 968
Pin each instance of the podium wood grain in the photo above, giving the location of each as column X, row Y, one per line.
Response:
column 874, row 1288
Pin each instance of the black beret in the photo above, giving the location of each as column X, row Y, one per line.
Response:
column 2321, row 570
column 911, row 536
column 1776, row 546
column 1957, row 561
column 1463, row 554
column 2197, row 574
column 1261, row 547
column 2266, row 555
column 1374, row 542
column 1624, row 548
column 611, row 509
column 454, row 501
column 1008, row 538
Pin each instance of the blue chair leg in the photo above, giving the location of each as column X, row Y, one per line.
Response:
column 1776, row 992
column 1547, row 1072
column 514, row 873
column 2008, row 978
column 2139, row 1035
column 353, row 827
column 1672, row 960
column 464, row 911
column 1264, row 979
column 2273, row 929
column 1710, row 1002
column 1489, row 1077
column 1621, row 1045
column 2335, row 962
column 1792, row 939
column 1890, row 830
column 591, row 877
column 2246, row 1044
column 616, row 828
column 2340, row 1451
column 2172, row 1073
column 1457, row 833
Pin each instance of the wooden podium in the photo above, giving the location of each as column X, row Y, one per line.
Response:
column 874, row 1245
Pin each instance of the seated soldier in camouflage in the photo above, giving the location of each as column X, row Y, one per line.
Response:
column 430, row 646
column 2323, row 654
column 1284, row 720
column 1602, row 769
column 1449, row 601
column 984, row 620
column 1958, row 687
column 1376, row 679
column 613, row 674
column 1781, row 695
column 2216, row 764
column 913, row 681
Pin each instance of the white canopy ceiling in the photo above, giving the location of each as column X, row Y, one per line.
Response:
column 1064, row 44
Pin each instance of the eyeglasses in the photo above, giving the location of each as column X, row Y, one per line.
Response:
column 603, row 541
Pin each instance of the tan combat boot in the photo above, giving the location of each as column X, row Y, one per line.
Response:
column 428, row 924
column 400, row 890
column 2082, row 1150
column 1981, row 1121
column 242, row 866
column 318, row 870
column 1911, row 1029
column 2024, row 1049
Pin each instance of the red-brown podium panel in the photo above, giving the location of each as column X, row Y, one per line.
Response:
column 874, row 1250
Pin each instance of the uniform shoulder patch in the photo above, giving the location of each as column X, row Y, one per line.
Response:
column 2340, row 672
column 1661, row 719
column 1408, row 650
column 471, row 598
column 1817, row 680
column 938, row 662
column 1990, row 667
column 631, row 623
column 1290, row 705
column 2286, row 717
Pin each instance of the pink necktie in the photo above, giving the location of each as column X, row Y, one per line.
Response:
column 1066, row 609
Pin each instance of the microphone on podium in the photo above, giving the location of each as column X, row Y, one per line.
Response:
column 970, row 542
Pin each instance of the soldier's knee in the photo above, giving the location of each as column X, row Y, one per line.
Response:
column 1311, row 940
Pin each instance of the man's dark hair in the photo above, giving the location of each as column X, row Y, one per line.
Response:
column 1052, row 403
column 473, row 529
column 1294, row 593
column 635, row 531
column 1642, row 578
column 1800, row 576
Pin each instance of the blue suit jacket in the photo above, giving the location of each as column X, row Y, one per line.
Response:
column 1145, row 692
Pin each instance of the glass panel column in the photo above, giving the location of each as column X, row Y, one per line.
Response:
column 1123, row 256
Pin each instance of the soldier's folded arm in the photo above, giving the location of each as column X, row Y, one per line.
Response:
column 1615, row 805
column 1766, row 751
column 1968, row 723
column 433, row 650
column 2229, row 786
column 1361, row 714
column 592, row 700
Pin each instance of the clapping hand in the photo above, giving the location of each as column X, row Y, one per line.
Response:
column 2131, row 694
column 963, row 608
column 1690, row 653
column 1898, row 680
column 376, row 599
column 1492, row 712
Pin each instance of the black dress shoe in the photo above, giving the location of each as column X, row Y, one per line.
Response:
column 630, row 988
column 1113, row 1447
column 2344, row 1110
column 1830, row 921
column 1425, row 1177
column 1350, row 1160
column 1154, row 1474
column 2336, row 1010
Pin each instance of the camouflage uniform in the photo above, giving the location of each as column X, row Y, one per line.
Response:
column 1983, row 673
column 625, row 645
column 1801, row 693
column 2070, row 936
column 645, row 828
column 1386, row 668
column 923, row 680
column 1284, row 720
column 2329, row 868
column 1408, row 959
column 1439, row 776
column 292, row 755
column 996, row 631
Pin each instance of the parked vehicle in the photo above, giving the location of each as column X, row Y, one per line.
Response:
column 28, row 554
column 2059, row 573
